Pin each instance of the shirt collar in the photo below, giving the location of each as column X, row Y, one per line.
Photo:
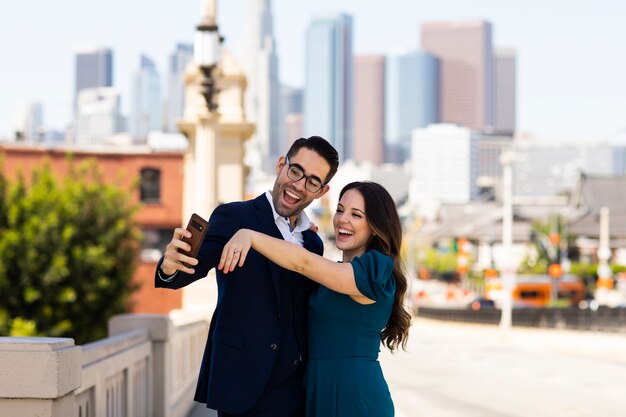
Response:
column 302, row 223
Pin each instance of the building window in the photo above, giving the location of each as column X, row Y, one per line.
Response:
column 150, row 185
column 154, row 242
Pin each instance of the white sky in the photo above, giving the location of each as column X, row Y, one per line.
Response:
column 571, row 53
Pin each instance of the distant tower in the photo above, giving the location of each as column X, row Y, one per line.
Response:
column 29, row 123
column 175, row 100
column 291, row 104
column 369, row 109
column 444, row 164
column 145, row 100
column 465, row 54
column 505, row 66
column 328, row 82
column 98, row 115
column 411, row 100
column 260, row 64
column 94, row 68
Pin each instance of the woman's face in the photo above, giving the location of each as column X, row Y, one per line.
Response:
column 352, row 231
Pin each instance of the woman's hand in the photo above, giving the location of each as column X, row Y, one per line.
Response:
column 236, row 250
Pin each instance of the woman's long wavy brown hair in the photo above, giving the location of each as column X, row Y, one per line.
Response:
column 382, row 216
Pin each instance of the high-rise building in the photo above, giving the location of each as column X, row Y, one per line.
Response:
column 444, row 164
column 505, row 91
column 291, row 104
column 145, row 114
column 465, row 54
column 175, row 100
column 411, row 100
column 29, row 123
column 369, row 109
column 328, row 81
column 94, row 68
column 98, row 115
column 260, row 64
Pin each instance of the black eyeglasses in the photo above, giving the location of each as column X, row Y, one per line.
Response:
column 296, row 173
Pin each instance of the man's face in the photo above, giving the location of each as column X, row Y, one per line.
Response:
column 291, row 197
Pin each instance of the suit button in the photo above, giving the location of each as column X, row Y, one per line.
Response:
column 296, row 362
column 274, row 346
column 277, row 316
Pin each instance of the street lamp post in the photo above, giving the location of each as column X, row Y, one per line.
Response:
column 508, row 269
column 605, row 276
column 206, row 51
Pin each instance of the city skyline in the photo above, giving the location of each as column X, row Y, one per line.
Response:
column 571, row 57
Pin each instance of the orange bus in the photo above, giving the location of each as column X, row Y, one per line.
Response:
column 536, row 290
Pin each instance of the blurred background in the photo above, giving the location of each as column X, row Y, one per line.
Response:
column 499, row 128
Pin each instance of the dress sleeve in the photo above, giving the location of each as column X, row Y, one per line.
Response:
column 373, row 275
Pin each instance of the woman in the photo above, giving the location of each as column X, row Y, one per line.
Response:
column 359, row 304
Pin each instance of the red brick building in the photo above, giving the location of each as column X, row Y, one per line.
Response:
column 159, row 194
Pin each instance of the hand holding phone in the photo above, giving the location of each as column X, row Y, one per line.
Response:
column 198, row 228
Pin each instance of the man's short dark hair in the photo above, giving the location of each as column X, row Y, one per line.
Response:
column 322, row 147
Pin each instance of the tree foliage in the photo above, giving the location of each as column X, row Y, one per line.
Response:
column 67, row 252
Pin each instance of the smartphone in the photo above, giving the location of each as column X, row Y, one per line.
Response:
column 198, row 227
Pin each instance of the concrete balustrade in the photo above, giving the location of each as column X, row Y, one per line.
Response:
column 38, row 376
column 147, row 367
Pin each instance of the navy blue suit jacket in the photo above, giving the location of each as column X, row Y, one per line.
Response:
column 241, row 348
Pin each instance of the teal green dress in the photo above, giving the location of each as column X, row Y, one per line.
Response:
column 343, row 376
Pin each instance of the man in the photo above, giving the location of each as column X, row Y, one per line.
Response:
column 253, row 360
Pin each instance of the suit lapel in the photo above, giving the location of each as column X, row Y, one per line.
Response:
column 267, row 225
column 311, row 243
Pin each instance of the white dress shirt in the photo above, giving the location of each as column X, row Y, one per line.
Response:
column 284, row 226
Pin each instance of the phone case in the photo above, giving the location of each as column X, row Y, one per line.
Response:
column 198, row 227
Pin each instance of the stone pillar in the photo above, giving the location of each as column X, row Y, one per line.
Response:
column 38, row 376
column 214, row 171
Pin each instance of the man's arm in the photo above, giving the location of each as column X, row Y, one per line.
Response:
column 172, row 273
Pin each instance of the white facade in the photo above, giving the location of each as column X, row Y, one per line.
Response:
column 98, row 115
column 29, row 122
column 444, row 164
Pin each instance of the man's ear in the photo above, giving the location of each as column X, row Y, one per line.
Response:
column 280, row 164
column 323, row 191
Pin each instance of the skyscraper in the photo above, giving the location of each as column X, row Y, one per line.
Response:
column 444, row 164
column 145, row 114
column 369, row 109
column 260, row 64
column 29, row 122
column 505, row 91
column 291, row 102
column 328, row 81
column 411, row 100
column 465, row 54
column 98, row 115
column 175, row 101
column 94, row 68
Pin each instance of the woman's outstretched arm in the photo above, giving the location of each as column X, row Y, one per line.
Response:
column 338, row 277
